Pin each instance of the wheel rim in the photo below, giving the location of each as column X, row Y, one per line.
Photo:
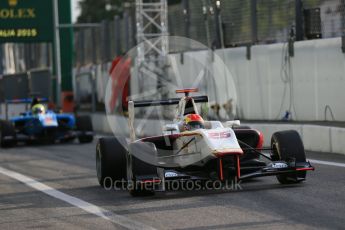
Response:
column 99, row 163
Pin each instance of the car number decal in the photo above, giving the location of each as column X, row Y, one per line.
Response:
column 219, row 135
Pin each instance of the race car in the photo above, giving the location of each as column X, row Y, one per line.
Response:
column 39, row 125
column 192, row 149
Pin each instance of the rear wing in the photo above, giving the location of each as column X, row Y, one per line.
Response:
column 148, row 103
column 172, row 101
column 26, row 101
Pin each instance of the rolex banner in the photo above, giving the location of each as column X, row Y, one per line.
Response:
column 26, row 21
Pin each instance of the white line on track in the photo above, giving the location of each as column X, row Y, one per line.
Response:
column 330, row 163
column 88, row 207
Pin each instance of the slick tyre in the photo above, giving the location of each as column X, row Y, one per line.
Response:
column 286, row 146
column 84, row 126
column 111, row 161
column 7, row 134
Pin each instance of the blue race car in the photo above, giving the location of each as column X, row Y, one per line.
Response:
column 39, row 125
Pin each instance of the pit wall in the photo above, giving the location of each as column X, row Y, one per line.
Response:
column 317, row 80
column 312, row 89
column 309, row 85
column 315, row 138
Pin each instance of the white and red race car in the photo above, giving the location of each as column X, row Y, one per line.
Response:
column 214, row 152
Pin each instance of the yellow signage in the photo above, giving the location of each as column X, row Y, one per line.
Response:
column 17, row 13
column 8, row 33
column 26, row 20
column 12, row 2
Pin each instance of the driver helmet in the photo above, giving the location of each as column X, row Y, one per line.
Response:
column 38, row 109
column 193, row 122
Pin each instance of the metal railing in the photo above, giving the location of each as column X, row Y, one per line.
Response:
column 232, row 23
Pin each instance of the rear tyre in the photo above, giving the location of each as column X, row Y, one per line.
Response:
column 111, row 161
column 7, row 134
column 84, row 126
column 287, row 146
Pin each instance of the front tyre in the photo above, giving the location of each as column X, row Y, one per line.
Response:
column 287, row 146
column 111, row 161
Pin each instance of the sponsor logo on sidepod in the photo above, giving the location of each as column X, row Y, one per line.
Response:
column 170, row 174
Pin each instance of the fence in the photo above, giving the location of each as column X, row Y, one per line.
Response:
column 233, row 23
column 26, row 84
column 22, row 57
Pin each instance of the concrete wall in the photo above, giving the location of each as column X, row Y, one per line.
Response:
column 259, row 87
column 315, row 138
column 270, row 83
column 318, row 80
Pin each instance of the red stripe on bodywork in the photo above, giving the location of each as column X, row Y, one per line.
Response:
column 189, row 90
column 238, row 167
column 306, row 169
column 221, row 169
column 225, row 153
column 151, row 181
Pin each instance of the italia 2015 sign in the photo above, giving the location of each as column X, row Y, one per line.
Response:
column 26, row 21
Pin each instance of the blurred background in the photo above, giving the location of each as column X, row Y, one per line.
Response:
column 270, row 22
column 285, row 57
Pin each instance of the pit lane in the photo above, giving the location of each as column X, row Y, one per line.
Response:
column 70, row 169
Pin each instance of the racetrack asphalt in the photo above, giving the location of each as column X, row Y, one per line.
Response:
column 318, row 203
